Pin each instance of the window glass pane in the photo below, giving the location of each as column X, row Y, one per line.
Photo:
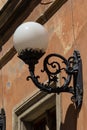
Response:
column 41, row 125
column 0, row 127
column 46, row 123
column 53, row 124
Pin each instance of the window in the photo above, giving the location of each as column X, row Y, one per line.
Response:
column 2, row 119
column 47, row 121
column 39, row 112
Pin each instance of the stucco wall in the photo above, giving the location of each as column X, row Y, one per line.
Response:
column 2, row 3
column 67, row 31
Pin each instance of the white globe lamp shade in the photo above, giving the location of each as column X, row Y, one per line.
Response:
column 30, row 35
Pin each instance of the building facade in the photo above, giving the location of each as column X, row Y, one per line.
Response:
column 26, row 107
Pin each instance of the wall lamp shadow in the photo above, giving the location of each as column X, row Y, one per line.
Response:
column 30, row 40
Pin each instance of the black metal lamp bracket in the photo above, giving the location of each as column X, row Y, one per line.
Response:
column 72, row 69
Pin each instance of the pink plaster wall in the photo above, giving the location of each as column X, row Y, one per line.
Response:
column 62, row 40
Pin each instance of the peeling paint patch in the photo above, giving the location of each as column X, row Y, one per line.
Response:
column 67, row 48
column 8, row 85
column 65, row 35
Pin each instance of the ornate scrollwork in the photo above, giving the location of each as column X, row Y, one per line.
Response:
column 53, row 75
column 72, row 67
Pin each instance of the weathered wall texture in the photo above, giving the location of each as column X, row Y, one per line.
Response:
column 2, row 3
column 67, row 31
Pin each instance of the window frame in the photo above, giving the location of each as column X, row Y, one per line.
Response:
column 32, row 104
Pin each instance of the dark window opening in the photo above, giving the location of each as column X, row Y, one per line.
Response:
column 47, row 122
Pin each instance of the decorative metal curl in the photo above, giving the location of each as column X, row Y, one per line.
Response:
column 73, row 70
column 53, row 76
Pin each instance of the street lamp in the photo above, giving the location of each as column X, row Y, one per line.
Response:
column 31, row 40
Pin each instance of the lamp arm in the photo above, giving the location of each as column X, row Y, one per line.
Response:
column 41, row 86
column 48, row 87
column 71, row 68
